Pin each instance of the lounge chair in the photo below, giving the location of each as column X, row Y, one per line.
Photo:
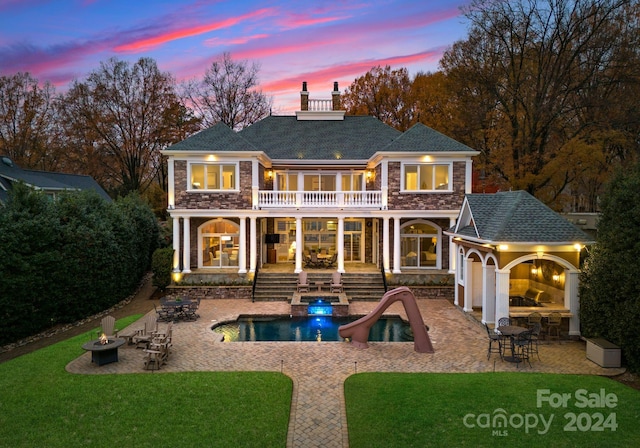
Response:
column 303, row 283
column 336, row 282
column 107, row 326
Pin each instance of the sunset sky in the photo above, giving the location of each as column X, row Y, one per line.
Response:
column 293, row 41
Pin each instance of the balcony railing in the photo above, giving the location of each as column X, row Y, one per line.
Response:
column 317, row 199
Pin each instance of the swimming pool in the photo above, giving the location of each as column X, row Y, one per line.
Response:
column 311, row 328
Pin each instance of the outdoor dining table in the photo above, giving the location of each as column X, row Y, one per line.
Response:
column 512, row 331
column 176, row 306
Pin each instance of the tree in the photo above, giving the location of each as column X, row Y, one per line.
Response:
column 28, row 131
column 120, row 118
column 383, row 93
column 534, row 68
column 228, row 94
column 609, row 288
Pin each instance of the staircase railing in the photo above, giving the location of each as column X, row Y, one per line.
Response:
column 384, row 277
column 255, row 280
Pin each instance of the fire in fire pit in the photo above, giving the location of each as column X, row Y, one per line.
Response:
column 104, row 339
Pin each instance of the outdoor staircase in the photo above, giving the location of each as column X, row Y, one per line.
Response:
column 281, row 286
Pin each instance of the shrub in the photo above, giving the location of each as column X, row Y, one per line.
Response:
column 161, row 266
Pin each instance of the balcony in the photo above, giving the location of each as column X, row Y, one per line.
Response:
column 321, row 199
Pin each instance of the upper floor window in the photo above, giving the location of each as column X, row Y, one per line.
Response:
column 353, row 181
column 287, row 181
column 319, row 182
column 213, row 177
column 426, row 177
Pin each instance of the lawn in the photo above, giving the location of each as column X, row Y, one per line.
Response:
column 43, row 405
column 490, row 409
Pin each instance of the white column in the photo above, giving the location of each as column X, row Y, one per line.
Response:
column 255, row 184
column 176, row 244
column 468, row 285
column 488, row 294
column 186, row 250
column 385, row 243
column 572, row 300
column 457, row 270
column 171, row 189
column 340, row 244
column 253, row 250
column 396, row 245
column 242, row 251
column 299, row 248
column 384, row 184
column 502, row 294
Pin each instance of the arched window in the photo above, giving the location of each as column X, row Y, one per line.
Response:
column 420, row 245
column 219, row 244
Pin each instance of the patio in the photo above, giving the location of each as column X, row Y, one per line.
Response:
column 318, row 370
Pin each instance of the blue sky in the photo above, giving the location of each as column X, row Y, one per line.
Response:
column 315, row 41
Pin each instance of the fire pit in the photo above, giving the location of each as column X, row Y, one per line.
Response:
column 104, row 350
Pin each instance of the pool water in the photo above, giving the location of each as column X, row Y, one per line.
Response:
column 312, row 328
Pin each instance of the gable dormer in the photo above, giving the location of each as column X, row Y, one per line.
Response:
column 320, row 109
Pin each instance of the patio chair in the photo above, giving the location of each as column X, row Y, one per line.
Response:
column 493, row 339
column 533, row 319
column 553, row 325
column 107, row 326
column 303, row 283
column 336, row 282
column 535, row 337
column 190, row 310
column 144, row 336
column 332, row 261
column 315, row 262
column 522, row 347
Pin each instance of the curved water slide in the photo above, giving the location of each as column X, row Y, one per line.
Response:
column 358, row 331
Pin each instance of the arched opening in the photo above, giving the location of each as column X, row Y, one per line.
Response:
column 219, row 244
column 420, row 245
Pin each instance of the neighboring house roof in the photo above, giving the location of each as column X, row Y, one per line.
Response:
column 514, row 216
column 47, row 181
column 287, row 138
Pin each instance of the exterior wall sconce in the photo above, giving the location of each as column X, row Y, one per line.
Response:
column 556, row 278
column 270, row 174
column 534, row 270
column 370, row 175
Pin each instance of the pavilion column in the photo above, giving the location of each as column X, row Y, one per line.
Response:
column 186, row 250
column 385, row 243
column 340, row 244
column 396, row 245
column 502, row 294
column 176, row 244
column 253, row 248
column 468, row 285
column 242, row 252
column 572, row 300
column 299, row 248
column 488, row 294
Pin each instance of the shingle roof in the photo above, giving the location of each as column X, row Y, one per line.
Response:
column 45, row 180
column 216, row 138
column 286, row 137
column 421, row 138
column 517, row 216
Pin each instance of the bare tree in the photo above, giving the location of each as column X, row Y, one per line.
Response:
column 229, row 94
column 28, row 126
column 120, row 118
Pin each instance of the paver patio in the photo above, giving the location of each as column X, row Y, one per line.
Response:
column 319, row 369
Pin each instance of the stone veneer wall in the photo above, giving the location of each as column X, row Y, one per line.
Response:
column 426, row 201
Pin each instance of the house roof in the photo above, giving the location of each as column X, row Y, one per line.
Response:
column 517, row 217
column 287, row 138
column 216, row 138
column 44, row 180
column 421, row 138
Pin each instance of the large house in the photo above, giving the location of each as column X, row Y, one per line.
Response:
column 319, row 181
column 49, row 182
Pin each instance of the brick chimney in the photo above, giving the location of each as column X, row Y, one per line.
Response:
column 304, row 97
column 335, row 96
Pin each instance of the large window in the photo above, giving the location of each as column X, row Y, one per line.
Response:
column 213, row 177
column 426, row 177
column 219, row 244
column 353, row 182
column 287, row 181
column 319, row 182
column 419, row 245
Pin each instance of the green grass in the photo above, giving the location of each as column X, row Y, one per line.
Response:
column 428, row 410
column 43, row 405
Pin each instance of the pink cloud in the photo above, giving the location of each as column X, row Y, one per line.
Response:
column 162, row 38
column 217, row 42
